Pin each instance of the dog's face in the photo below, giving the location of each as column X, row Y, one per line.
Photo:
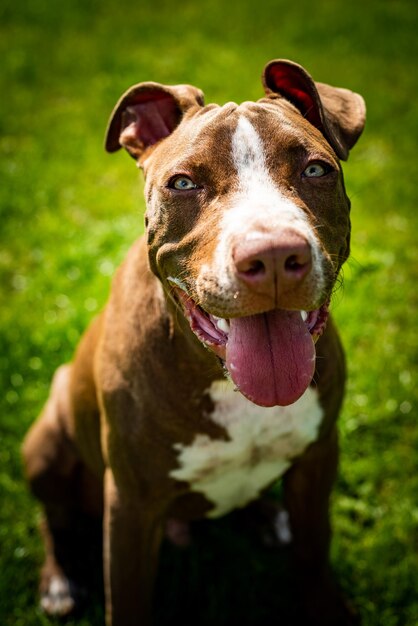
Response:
column 247, row 217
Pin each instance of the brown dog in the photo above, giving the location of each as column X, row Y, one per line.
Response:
column 200, row 384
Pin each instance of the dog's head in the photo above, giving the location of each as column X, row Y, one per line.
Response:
column 247, row 216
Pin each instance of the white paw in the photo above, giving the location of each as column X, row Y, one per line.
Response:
column 58, row 599
column 282, row 527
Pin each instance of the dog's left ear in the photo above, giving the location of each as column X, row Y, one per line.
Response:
column 338, row 113
column 147, row 113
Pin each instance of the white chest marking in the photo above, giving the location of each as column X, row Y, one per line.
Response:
column 262, row 444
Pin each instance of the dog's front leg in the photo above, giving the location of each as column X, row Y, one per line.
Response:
column 307, row 487
column 132, row 537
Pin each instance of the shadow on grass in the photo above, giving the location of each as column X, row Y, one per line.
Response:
column 226, row 578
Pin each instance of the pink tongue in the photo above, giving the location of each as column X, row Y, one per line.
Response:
column 271, row 357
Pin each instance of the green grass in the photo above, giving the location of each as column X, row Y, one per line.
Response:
column 69, row 213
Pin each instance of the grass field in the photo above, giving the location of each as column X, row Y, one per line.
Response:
column 69, row 212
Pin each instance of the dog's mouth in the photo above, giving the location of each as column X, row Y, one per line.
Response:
column 270, row 356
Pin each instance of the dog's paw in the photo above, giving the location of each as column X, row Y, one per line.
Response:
column 279, row 532
column 267, row 520
column 60, row 597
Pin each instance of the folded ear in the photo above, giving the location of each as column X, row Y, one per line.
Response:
column 338, row 113
column 146, row 113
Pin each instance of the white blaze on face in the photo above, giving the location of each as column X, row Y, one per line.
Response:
column 262, row 445
column 258, row 198
column 258, row 209
column 249, row 160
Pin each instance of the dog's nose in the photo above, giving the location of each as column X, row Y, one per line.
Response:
column 282, row 261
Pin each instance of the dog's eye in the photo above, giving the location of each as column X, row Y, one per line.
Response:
column 182, row 183
column 316, row 170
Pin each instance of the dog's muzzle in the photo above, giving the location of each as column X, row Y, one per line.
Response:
column 270, row 356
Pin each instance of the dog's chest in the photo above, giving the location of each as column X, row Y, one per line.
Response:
column 261, row 446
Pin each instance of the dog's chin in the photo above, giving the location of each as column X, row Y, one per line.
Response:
column 270, row 356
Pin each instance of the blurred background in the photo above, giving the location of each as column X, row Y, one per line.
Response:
column 69, row 212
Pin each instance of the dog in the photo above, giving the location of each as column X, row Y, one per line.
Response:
column 215, row 367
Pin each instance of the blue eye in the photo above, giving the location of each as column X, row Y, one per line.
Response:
column 182, row 183
column 316, row 170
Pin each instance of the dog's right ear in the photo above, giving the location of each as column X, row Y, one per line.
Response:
column 147, row 113
column 339, row 114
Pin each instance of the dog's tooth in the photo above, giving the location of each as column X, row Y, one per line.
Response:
column 222, row 324
column 304, row 315
column 176, row 281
